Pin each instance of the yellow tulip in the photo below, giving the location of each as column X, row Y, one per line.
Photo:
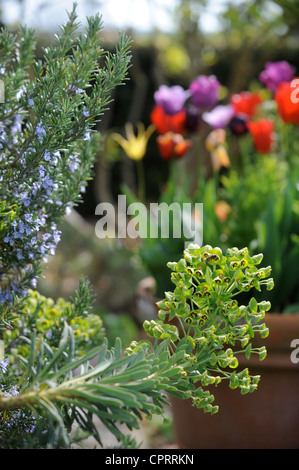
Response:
column 215, row 144
column 134, row 145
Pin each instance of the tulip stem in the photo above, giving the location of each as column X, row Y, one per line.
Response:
column 140, row 180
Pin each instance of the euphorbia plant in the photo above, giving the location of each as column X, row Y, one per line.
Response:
column 203, row 321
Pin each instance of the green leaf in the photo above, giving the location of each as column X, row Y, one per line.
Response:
column 248, row 351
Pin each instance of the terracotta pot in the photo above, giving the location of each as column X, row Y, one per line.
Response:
column 266, row 418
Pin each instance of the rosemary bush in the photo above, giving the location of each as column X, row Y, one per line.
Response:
column 57, row 371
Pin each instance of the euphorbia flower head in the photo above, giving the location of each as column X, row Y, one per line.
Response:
column 204, row 92
column 171, row 99
column 262, row 134
column 245, row 103
column 172, row 145
column 287, row 102
column 275, row 73
column 168, row 123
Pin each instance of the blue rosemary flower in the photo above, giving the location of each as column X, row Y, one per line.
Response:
column 40, row 131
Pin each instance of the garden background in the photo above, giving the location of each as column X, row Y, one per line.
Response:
column 233, row 42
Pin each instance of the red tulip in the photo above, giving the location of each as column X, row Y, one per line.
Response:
column 245, row 102
column 262, row 134
column 168, row 123
column 172, row 145
column 287, row 102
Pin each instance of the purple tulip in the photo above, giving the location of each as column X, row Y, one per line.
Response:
column 204, row 91
column 275, row 73
column 238, row 125
column 192, row 119
column 171, row 99
column 219, row 117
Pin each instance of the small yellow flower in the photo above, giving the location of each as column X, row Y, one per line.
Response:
column 134, row 146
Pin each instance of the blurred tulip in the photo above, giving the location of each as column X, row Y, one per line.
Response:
column 192, row 119
column 245, row 103
column 134, row 146
column 262, row 134
column 275, row 73
column 219, row 117
column 204, row 92
column 168, row 123
column 172, row 145
column 171, row 99
column 222, row 209
column 288, row 108
column 238, row 125
column 215, row 144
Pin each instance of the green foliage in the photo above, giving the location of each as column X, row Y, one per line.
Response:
column 49, row 141
column 249, row 199
column 262, row 216
column 277, row 232
column 48, row 318
column 65, row 390
column 59, row 388
column 156, row 251
column 203, row 320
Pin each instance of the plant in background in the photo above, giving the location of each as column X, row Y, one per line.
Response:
column 204, row 92
column 269, row 221
column 250, row 170
column 286, row 106
column 171, row 99
column 135, row 148
column 275, row 73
